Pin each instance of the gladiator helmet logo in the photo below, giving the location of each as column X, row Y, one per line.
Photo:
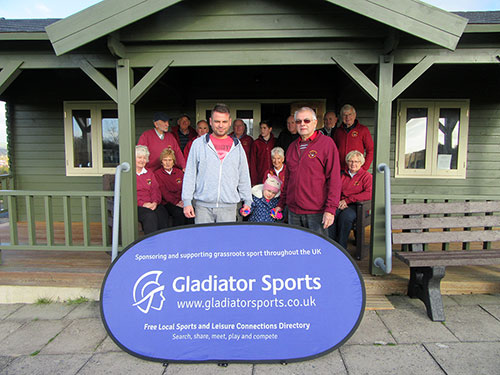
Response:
column 148, row 293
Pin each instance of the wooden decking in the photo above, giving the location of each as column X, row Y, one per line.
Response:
column 87, row 270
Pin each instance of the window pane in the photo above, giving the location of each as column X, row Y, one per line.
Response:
column 110, row 145
column 82, row 139
column 449, row 131
column 416, row 136
column 247, row 117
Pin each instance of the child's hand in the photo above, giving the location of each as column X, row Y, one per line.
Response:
column 244, row 211
column 276, row 214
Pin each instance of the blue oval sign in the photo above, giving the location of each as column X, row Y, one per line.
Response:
column 232, row 293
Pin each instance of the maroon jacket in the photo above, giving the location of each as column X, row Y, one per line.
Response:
column 156, row 145
column 175, row 132
column 282, row 175
column 148, row 189
column 357, row 188
column 358, row 138
column 313, row 181
column 246, row 142
column 260, row 158
column 170, row 185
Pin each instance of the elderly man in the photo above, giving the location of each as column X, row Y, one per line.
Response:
column 288, row 135
column 217, row 176
column 157, row 140
column 183, row 132
column 312, row 185
column 351, row 135
column 329, row 123
column 240, row 132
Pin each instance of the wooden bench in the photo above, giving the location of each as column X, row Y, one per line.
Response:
column 470, row 224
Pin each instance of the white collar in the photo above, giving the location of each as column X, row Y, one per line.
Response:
column 352, row 174
column 142, row 172
column 278, row 172
column 158, row 134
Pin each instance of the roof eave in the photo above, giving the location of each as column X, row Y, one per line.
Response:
column 24, row 36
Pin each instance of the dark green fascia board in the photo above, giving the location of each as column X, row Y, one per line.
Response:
column 24, row 36
column 99, row 20
column 413, row 17
column 483, row 28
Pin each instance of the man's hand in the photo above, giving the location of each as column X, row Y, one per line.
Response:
column 328, row 219
column 189, row 212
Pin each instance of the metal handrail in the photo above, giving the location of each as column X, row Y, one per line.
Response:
column 379, row 262
column 123, row 167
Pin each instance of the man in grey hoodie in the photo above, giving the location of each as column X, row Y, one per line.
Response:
column 216, row 177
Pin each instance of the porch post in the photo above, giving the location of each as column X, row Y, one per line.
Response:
column 126, row 123
column 382, row 155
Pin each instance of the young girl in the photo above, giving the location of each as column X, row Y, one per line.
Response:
column 265, row 199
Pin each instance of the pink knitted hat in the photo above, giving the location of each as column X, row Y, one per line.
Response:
column 272, row 183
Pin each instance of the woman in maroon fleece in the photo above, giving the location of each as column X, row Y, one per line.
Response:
column 356, row 187
column 260, row 154
column 150, row 212
column 170, row 181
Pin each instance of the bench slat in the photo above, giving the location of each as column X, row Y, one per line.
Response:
column 446, row 222
column 452, row 236
column 450, row 258
column 448, row 208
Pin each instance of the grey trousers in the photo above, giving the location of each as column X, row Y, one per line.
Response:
column 214, row 214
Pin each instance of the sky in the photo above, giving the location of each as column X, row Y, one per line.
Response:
column 64, row 8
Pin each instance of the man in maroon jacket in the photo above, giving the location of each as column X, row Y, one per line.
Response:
column 183, row 132
column 351, row 135
column 312, row 185
column 158, row 139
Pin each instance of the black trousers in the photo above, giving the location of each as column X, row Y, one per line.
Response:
column 177, row 214
column 152, row 220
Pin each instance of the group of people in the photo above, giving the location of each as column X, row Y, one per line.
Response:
column 310, row 177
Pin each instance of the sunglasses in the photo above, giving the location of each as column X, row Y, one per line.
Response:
column 306, row 121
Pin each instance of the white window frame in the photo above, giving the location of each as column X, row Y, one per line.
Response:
column 431, row 162
column 95, row 108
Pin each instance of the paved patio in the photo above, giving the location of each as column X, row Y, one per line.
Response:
column 58, row 338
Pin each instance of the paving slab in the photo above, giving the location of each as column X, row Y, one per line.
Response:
column 208, row 369
column 371, row 330
column 46, row 364
column 328, row 364
column 383, row 360
column 4, row 361
column 467, row 358
column 85, row 310
column 108, row 345
column 120, row 364
column 49, row 311
column 477, row 299
column 404, row 302
column 81, row 336
column 472, row 323
column 7, row 327
column 492, row 309
column 31, row 337
column 414, row 326
column 8, row 309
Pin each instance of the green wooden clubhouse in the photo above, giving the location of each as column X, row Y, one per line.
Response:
column 80, row 91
